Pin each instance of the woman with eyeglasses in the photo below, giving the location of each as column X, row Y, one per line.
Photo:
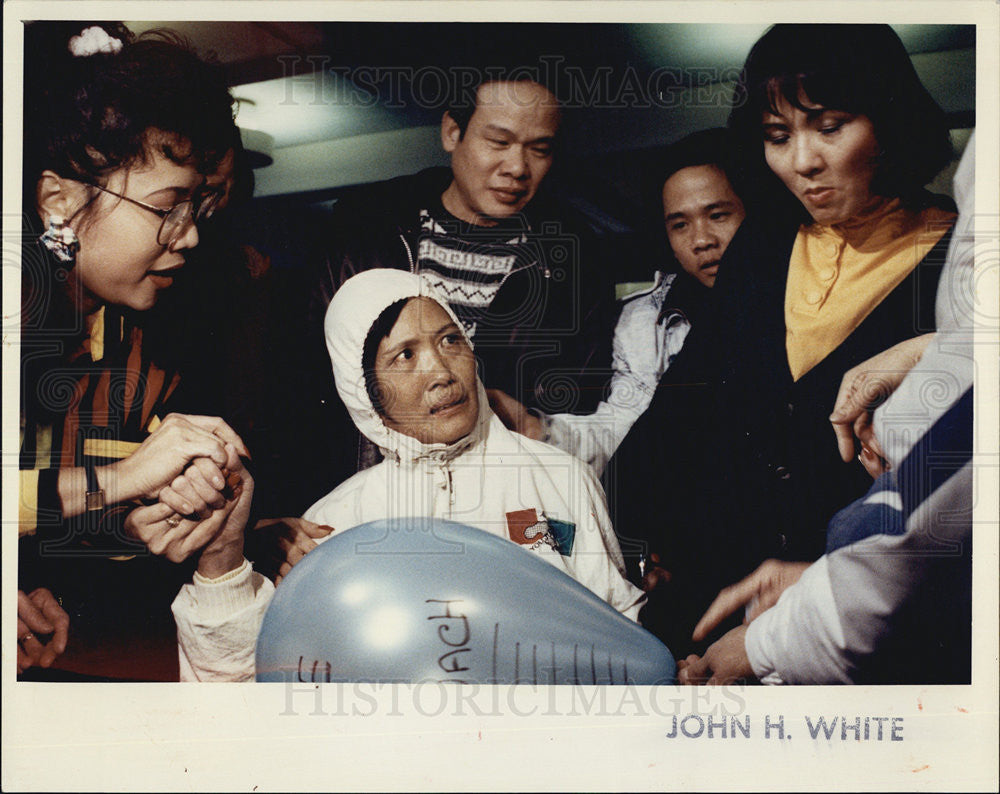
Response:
column 121, row 136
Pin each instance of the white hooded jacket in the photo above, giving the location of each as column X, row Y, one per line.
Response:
column 528, row 492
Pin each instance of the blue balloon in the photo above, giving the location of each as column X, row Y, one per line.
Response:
column 418, row 599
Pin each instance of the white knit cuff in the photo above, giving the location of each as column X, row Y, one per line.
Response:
column 224, row 596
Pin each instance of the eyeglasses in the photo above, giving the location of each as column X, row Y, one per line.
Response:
column 174, row 223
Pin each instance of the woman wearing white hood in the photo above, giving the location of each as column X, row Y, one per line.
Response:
column 405, row 370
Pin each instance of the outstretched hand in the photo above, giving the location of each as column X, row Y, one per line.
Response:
column 760, row 590
column 655, row 575
column 38, row 616
column 724, row 662
column 283, row 542
column 514, row 415
column 864, row 388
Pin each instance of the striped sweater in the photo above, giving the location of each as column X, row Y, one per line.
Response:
column 97, row 404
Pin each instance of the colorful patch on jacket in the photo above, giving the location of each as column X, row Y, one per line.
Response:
column 526, row 528
column 564, row 533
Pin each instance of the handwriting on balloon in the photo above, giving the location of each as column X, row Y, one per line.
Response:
column 454, row 632
column 320, row 672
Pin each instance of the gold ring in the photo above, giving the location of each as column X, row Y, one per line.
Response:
column 174, row 521
column 26, row 637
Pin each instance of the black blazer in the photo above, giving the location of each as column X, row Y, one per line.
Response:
column 734, row 462
column 787, row 476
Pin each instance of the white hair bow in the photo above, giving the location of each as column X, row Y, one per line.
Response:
column 92, row 41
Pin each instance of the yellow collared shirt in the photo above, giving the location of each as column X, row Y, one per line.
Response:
column 839, row 274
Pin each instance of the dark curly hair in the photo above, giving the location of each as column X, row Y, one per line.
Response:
column 861, row 69
column 86, row 117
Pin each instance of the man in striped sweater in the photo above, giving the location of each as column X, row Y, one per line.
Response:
column 512, row 260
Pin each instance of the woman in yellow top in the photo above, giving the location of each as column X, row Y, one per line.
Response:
column 838, row 260
column 123, row 140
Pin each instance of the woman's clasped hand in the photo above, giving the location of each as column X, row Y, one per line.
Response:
column 190, row 510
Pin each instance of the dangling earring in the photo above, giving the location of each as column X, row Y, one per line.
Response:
column 60, row 239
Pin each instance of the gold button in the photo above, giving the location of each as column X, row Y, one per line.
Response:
column 812, row 298
column 828, row 274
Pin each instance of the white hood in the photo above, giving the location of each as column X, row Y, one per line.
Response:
column 353, row 310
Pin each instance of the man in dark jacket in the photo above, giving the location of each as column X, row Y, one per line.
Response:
column 661, row 483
